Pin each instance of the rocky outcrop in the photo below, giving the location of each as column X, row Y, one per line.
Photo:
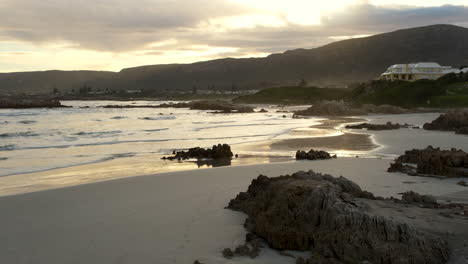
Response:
column 332, row 217
column 456, row 120
column 424, row 200
column 432, row 162
column 216, row 152
column 251, row 248
column 220, row 106
column 23, row 104
column 378, row 127
column 339, row 108
column 313, row 155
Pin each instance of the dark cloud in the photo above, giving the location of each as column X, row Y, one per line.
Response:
column 107, row 25
column 124, row 25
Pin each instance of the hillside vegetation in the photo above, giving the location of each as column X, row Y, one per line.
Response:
column 342, row 62
column 448, row 91
column 295, row 95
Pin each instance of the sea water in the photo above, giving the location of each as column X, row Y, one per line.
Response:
column 33, row 140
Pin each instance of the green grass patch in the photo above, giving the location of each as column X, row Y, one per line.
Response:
column 294, row 95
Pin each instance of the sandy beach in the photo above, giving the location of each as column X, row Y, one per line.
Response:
column 179, row 217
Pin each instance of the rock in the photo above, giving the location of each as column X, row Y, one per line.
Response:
column 432, row 162
column 227, row 253
column 413, row 197
column 455, row 120
column 251, row 248
column 313, row 155
column 462, row 183
column 263, row 111
column 378, row 127
column 332, row 218
column 221, row 106
column 216, row 152
column 197, row 262
column 23, row 104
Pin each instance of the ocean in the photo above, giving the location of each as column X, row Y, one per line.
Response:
column 34, row 140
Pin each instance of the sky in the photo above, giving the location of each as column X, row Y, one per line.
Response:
column 116, row 34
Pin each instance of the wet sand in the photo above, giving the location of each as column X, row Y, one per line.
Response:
column 328, row 135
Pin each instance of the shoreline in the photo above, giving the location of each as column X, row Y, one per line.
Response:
column 146, row 164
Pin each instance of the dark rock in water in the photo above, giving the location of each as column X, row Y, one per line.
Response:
column 378, row 127
column 197, row 262
column 462, row 131
column 432, row 162
column 23, row 104
column 456, row 120
column 462, row 183
column 251, row 248
column 263, row 111
column 216, row 152
column 227, row 253
column 332, row 217
column 412, row 197
column 313, row 155
column 221, row 106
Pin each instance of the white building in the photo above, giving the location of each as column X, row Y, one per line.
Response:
column 418, row 71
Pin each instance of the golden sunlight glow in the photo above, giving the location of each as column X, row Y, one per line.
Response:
column 303, row 12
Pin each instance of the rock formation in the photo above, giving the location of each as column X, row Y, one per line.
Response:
column 425, row 200
column 221, row 106
column 456, row 120
column 23, row 104
column 334, row 219
column 216, row 152
column 433, row 162
column 378, row 127
column 313, row 155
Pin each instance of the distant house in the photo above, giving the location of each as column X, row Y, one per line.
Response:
column 418, row 71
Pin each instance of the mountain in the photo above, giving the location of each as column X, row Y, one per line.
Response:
column 343, row 62
column 43, row 82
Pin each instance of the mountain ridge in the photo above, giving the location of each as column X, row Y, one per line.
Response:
column 342, row 62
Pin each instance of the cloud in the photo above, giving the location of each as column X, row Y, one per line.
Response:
column 174, row 30
column 367, row 17
column 116, row 25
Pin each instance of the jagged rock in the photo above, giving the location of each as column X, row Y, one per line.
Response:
column 221, row 106
column 398, row 166
column 23, row 104
column 263, row 111
column 216, row 152
column 462, row 183
column 455, row 120
column 433, row 162
column 332, row 217
column 197, row 262
column 412, row 197
column 227, row 253
column 377, row 127
column 313, row 155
